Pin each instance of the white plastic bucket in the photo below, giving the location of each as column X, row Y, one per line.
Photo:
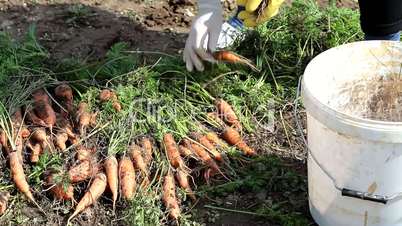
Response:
column 354, row 164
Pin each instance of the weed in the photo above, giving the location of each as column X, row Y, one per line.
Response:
column 77, row 14
column 46, row 162
column 283, row 46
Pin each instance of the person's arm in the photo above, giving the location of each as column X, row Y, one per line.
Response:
column 204, row 34
column 206, row 27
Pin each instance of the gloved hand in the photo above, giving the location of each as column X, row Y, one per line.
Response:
column 204, row 34
column 258, row 11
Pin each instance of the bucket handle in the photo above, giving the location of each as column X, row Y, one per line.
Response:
column 384, row 199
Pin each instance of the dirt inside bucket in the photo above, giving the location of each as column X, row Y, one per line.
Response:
column 377, row 98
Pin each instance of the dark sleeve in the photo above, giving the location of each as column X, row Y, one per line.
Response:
column 381, row 17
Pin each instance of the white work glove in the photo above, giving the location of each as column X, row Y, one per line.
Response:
column 204, row 34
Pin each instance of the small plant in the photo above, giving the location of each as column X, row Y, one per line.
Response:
column 77, row 14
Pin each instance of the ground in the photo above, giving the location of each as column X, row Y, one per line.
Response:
column 86, row 29
column 89, row 27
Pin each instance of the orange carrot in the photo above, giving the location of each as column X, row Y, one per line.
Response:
column 92, row 120
column 96, row 189
column 199, row 151
column 4, row 196
column 204, row 156
column 65, row 126
column 106, row 95
column 203, row 140
column 65, row 94
column 19, row 147
column 230, row 57
column 185, row 152
column 182, row 178
column 233, row 137
column 172, row 152
column 116, row 106
column 35, row 120
column 24, row 133
column 4, row 141
column 19, row 124
column 147, row 147
column 39, row 135
column 84, row 153
column 216, row 119
column 46, row 113
column 36, row 150
column 139, row 163
column 83, row 116
column 40, row 95
column 169, row 197
column 127, row 178
column 17, row 117
column 59, row 190
column 74, row 140
column 18, row 175
column 226, row 112
column 61, row 139
column 109, row 95
column 215, row 140
column 82, row 171
column 3, row 138
column 112, row 174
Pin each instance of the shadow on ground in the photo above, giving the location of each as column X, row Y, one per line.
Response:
column 268, row 191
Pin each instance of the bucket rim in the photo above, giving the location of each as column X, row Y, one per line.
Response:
column 348, row 124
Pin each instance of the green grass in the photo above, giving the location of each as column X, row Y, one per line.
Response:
column 160, row 96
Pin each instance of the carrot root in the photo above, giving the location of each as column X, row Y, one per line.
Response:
column 169, row 197
column 59, row 190
column 4, row 196
column 203, row 140
column 226, row 112
column 96, row 189
column 127, row 178
column 233, row 137
column 112, row 174
column 230, row 57
column 82, row 171
column 148, row 149
column 18, row 175
column 182, row 178
column 138, row 160
column 172, row 152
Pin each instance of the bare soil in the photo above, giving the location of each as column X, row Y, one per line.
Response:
column 90, row 28
column 87, row 28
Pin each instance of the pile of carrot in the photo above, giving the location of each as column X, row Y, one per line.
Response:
column 50, row 124
column 54, row 124
column 205, row 147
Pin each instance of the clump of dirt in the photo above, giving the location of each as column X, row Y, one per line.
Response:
column 173, row 14
column 377, row 98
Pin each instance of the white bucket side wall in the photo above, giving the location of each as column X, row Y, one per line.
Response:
column 359, row 166
column 361, row 154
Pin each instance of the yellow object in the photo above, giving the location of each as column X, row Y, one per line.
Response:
column 250, row 16
column 244, row 15
column 252, row 5
column 241, row 2
column 250, row 22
